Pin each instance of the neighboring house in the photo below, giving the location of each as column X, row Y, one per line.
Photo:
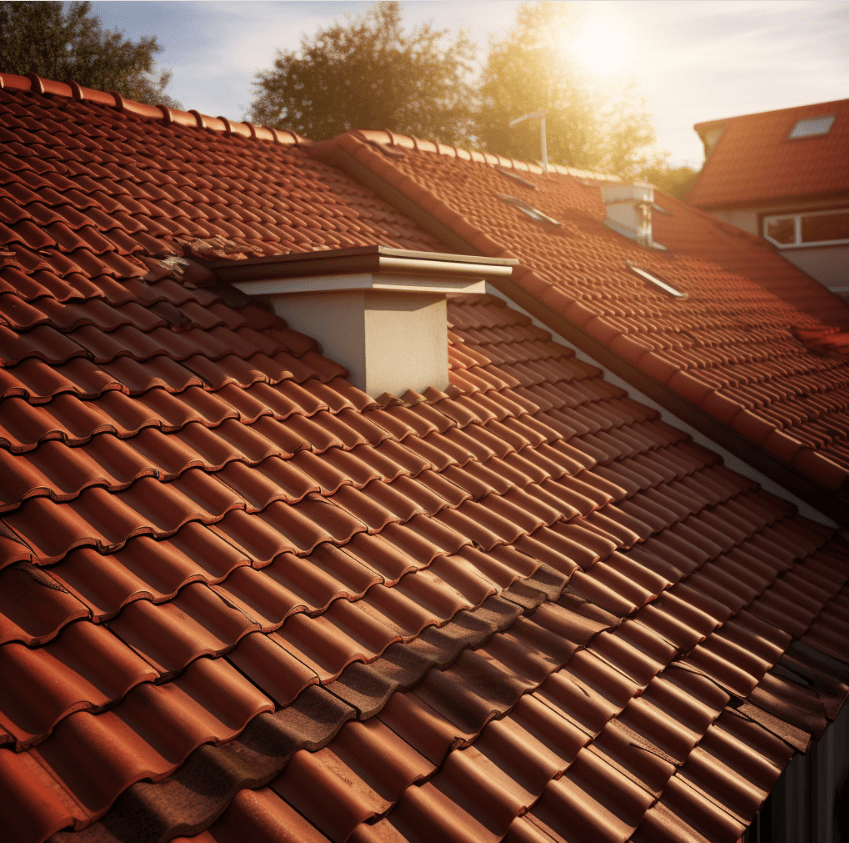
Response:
column 249, row 594
column 784, row 176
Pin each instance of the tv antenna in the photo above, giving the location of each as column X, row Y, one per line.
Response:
column 536, row 115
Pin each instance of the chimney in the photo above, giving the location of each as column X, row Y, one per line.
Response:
column 380, row 312
column 629, row 209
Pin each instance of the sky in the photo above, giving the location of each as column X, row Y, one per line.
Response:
column 691, row 60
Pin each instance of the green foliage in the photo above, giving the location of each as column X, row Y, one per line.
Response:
column 71, row 43
column 676, row 181
column 586, row 126
column 367, row 73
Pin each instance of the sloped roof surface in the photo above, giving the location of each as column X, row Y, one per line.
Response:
column 241, row 601
column 756, row 160
column 729, row 349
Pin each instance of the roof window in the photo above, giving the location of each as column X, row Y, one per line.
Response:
column 517, row 178
column 656, row 282
column 810, row 127
column 533, row 213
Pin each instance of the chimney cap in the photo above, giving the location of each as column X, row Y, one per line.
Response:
column 627, row 192
column 379, row 311
column 377, row 260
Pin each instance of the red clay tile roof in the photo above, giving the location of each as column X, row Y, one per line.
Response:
column 240, row 600
column 756, row 160
column 729, row 350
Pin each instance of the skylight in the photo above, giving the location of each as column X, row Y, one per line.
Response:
column 517, row 178
column 812, row 126
column 656, row 282
column 533, row 213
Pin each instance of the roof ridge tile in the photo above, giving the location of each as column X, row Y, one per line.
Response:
column 32, row 82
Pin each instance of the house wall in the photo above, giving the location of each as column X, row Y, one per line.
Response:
column 810, row 802
column 829, row 264
column 745, row 219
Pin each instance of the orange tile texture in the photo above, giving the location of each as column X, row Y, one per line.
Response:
column 732, row 348
column 240, row 600
column 756, row 160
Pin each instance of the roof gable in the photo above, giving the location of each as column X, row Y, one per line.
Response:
column 758, row 158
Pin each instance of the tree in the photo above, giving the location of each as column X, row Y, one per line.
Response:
column 586, row 127
column 367, row 73
column 71, row 43
column 676, row 181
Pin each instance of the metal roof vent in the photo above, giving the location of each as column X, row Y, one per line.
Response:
column 517, row 178
column 629, row 209
column 656, row 282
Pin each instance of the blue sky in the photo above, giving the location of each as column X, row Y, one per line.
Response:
column 692, row 60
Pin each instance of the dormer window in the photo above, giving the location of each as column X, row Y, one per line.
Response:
column 525, row 208
column 810, row 127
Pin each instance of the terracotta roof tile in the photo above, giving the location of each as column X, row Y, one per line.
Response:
column 758, row 379
column 237, row 595
column 757, row 160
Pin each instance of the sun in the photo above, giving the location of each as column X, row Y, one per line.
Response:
column 602, row 46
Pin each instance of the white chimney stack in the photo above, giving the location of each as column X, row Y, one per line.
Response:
column 629, row 211
column 380, row 312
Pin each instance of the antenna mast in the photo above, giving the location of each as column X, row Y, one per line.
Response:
column 536, row 115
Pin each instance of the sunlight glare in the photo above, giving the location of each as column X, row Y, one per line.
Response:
column 602, row 46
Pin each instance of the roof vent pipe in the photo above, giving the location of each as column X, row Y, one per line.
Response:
column 629, row 211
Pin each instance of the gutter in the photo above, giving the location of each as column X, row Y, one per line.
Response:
column 833, row 504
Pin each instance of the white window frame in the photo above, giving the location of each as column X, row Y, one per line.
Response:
column 798, row 243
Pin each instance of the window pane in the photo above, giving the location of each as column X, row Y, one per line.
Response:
column 780, row 230
column 812, row 126
column 823, row 227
